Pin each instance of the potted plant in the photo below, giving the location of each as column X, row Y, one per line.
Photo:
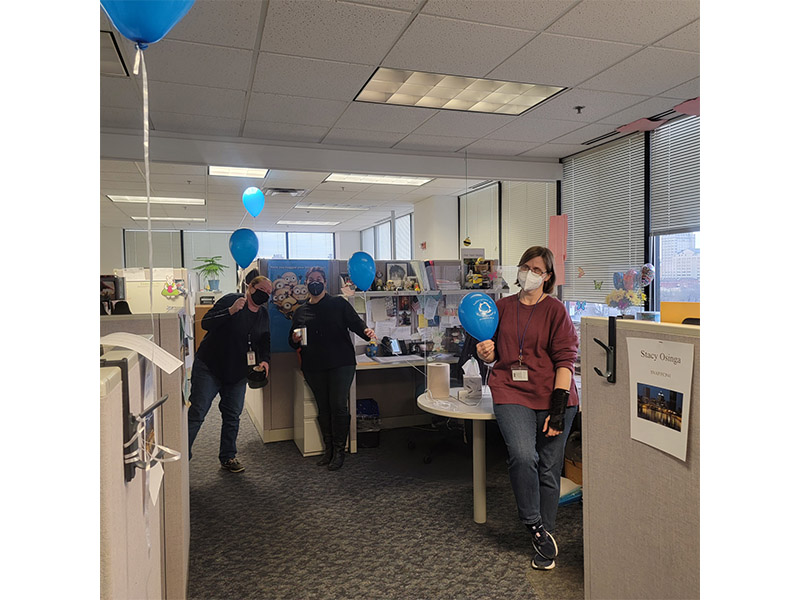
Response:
column 211, row 270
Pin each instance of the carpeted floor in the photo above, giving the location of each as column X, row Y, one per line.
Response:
column 385, row 526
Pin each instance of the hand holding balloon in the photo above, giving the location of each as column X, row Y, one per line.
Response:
column 485, row 350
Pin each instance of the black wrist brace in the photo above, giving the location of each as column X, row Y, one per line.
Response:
column 558, row 405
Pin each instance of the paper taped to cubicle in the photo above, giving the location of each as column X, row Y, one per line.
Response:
column 160, row 357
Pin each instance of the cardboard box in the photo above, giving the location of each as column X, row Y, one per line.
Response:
column 573, row 471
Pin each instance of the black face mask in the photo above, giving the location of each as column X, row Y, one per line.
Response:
column 259, row 297
column 315, row 288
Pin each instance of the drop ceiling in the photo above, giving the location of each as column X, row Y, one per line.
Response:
column 273, row 81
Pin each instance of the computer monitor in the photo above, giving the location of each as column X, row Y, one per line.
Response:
column 111, row 288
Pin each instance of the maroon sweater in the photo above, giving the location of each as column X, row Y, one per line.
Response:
column 550, row 342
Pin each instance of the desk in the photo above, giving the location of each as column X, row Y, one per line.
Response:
column 484, row 411
column 364, row 363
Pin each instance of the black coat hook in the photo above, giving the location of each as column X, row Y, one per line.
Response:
column 611, row 355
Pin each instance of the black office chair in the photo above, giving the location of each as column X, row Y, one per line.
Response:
column 120, row 307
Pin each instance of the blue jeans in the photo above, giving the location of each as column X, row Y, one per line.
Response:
column 534, row 461
column 205, row 387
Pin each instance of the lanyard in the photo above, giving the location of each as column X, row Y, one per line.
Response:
column 521, row 339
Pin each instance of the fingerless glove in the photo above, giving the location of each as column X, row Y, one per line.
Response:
column 558, row 404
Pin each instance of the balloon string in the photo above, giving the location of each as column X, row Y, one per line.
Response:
column 146, row 143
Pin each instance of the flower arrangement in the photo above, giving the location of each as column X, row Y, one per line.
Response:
column 624, row 299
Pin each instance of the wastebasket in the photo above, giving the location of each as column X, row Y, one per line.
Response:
column 368, row 423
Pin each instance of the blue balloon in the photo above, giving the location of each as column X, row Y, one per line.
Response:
column 362, row 270
column 478, row 314
column 244, row 246
column 253, row 200
column 145, row 21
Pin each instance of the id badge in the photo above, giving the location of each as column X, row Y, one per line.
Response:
column 251, row 358
column 519, row 374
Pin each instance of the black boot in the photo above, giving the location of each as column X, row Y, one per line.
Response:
column 327, row 453
column 341, row 429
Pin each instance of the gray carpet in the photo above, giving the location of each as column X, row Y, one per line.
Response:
column 385, row 526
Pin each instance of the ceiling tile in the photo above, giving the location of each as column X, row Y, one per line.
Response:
column 308, row 177
column 633, row 21
column 649, row 72
column 196, row 100
column 286, row 132
column 235, row 23
column 687, row 38
column 359, row 137
column 121, row 118
column 529, row 129
column 178, row 123
column 584, row 134
column 331, row 30
column 406, row 5
column 522, row 14
column 199, row 64
column 596, row 105
column 314, row 78
column 294, row 109
column 381, row 117
column 554, row 150
column 561, row 60
column 120, row 92
column 464, row 124
column 643, row 110
column 498, row 147
column 438, row 45
column 685, row 91
column 435, row 143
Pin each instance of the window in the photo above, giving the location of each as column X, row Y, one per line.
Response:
column 166, row 249
column 271, row 244
column 383, row 241
column 402, row 238
column 210, row 243
column 368, row 241
column 479, row 219
column 526, row 210
column 677, row 262
column 311, row 245
column 603, row 197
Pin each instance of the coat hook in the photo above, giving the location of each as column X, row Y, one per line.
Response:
column 610, row 373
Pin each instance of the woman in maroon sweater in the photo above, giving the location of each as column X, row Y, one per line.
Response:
column 535, row 399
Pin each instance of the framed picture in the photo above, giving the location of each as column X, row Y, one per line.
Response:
column 396, row 272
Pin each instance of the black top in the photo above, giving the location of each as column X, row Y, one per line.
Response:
column 327, row 323
column 224, row 348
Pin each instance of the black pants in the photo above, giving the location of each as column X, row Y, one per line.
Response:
column 331, row 391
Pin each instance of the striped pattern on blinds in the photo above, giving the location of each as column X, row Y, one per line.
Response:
column 480, row 220
column 675, row 177
column 602, row 193
column 526, row 210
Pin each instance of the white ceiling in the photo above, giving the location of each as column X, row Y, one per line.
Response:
column 282, row 74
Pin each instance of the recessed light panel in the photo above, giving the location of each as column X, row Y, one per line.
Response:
column 433, row 90
column 157, row 200
column 379, row 179
column 308, row 222
column 309, row 206
column 238, row 172
column 193, row 219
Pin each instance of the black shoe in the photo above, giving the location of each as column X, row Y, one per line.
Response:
column 337, row 460
column 233, row 465
column 326, row 457
column 544, row 543
column 542, row 564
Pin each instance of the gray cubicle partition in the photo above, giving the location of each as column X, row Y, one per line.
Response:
column 174, row 434
column 641, row 506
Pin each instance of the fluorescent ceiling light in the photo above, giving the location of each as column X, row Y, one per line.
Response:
column 328, row 207
column 238, row 172
column 434, row 90
column 380, row 179
column 308, row 222
column 157, row 200
column 193, row 219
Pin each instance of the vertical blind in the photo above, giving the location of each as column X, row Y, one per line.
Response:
column 675, row 177
column 602, row 194
column 166, row 249
column 526, row 210
column 402, row 234
column 480, row 219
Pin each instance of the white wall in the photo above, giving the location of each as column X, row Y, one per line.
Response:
column 110, row 250
column 346, row 243
column 436, row 224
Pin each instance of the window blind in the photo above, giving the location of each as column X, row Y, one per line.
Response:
column 675, row 177
column 166, row 249
column 480, row 220
column 602, row 194
column 526, row 210
column 402, row 234
column 368, row 241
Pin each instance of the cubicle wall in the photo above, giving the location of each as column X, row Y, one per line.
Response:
column 173, row 434
column 641, row 506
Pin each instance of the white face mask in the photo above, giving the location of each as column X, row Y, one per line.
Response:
column 529, row 281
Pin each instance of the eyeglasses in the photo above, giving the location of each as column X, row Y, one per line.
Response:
column 526, row 268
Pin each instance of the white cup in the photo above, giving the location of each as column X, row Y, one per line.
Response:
column 303, row 335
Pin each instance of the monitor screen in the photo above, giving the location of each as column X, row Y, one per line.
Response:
column 395, row 345
column 111, row 288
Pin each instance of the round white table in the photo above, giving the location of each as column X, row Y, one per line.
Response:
column 455, row 409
